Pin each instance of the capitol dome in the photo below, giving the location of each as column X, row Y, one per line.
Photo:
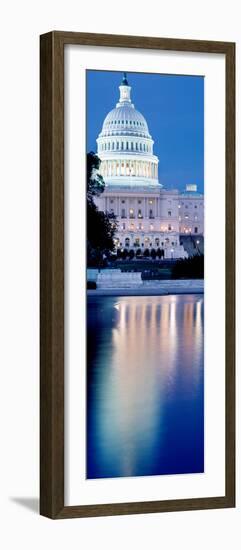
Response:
column 125, row 118
column 125, row 145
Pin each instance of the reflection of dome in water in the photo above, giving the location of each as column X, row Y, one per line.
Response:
column 125, row 137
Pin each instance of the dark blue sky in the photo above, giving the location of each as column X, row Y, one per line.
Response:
column 174, row 110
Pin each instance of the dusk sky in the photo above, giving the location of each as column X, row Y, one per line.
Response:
column 173, row 107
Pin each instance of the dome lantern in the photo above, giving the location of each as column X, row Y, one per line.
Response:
column 125, row 93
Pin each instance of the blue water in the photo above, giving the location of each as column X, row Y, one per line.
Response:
column 145, row 386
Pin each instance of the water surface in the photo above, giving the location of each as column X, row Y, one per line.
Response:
column 145, row 386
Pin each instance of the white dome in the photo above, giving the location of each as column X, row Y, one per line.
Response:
column 125, row 146
column 126, row 120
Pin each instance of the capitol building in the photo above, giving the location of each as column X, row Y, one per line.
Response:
column 148, row 215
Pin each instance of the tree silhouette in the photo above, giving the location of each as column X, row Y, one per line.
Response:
column 101, row 226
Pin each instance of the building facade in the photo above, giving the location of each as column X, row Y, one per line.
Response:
column 148, row 215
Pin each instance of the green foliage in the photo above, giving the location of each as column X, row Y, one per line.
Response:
column 190, row 268
column 101, row 226
column 124, row 254
column 91, row 285
column 160, row 253
column 95, row 182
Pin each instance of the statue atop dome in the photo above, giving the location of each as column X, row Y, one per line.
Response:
column 124, row 80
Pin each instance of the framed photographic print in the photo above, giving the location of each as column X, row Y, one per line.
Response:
column 137, row 275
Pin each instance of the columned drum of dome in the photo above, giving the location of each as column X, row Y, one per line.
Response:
column 125, row 146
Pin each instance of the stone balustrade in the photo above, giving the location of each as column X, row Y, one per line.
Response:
column 117, row 279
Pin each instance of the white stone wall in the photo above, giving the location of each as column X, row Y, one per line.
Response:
column 191, row 214
column 146, row 219
column 166, row 211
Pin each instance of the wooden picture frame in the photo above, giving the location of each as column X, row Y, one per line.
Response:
column 52, row 274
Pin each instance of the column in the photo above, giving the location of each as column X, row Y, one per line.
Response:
column 145, row 211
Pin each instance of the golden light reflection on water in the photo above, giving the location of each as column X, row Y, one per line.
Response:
column 156, row 348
